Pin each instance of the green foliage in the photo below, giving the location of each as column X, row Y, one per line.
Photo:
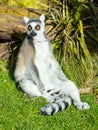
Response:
column 22, row 3
column 75, row 30
column 18, row 112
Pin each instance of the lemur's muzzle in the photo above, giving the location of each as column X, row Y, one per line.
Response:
column 33, row 33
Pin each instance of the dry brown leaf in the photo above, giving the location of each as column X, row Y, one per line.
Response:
column 84, row 90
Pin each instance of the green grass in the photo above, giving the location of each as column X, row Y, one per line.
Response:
column 22, row 113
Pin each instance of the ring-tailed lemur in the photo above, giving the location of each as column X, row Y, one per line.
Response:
column 39, row 74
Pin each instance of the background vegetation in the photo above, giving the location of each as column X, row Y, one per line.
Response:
column 75, row 28
column 24, row 3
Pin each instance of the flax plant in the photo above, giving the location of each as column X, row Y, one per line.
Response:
column 73, row 32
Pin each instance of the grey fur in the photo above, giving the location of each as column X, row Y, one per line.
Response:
column 36, row 20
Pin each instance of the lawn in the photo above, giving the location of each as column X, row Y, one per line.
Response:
column 20, row 112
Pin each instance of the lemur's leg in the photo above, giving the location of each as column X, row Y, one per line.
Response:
column 72, row 91
column 29, row 87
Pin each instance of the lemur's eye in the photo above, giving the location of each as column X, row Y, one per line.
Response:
column 29, row 27
column 37, row 27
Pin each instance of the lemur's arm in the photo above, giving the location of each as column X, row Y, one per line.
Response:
column 36, row 78
column 20, row 68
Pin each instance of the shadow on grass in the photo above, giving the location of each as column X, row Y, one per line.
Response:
column 12, row 62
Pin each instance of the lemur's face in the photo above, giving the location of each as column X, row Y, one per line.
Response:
column 35, row 26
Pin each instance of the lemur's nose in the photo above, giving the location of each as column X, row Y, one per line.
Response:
column 33, row 33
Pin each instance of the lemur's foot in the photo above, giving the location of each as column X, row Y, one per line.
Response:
column 83, row 105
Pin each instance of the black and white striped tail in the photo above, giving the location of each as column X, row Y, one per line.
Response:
column 53, row 108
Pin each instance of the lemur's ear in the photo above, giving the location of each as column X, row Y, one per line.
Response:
column 42, row 18
column 25, row 19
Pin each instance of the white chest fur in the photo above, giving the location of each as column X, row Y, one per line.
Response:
column 42, row 50
column 42, row 60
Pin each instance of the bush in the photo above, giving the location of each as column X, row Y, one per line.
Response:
column 75, row 44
